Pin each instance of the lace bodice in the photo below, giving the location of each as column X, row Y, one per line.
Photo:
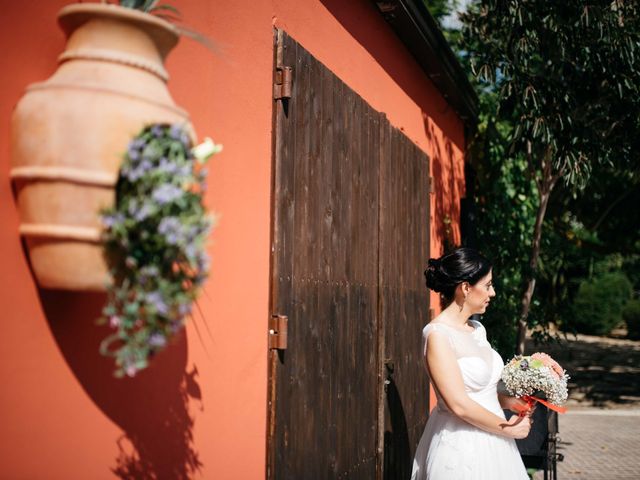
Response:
column 480, row 365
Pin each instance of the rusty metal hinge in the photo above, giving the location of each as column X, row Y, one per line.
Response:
column 282, row 86
column 432, row 187
column 278, row 332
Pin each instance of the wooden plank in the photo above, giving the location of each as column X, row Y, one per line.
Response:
column 293, row 396
column 380, row 146
column 282, row 249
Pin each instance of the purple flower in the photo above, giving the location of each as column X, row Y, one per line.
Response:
column 170, row 227
column 157, row 131
column 185, row 171
column 157, row 340
column 155, row 299
column 143, row 212
column 133, row 152
column 135, row 173
column 137, row 143
column 177, row 132
column 110, row 220
column 165, row 166
column 145, row 165
column 166, row 193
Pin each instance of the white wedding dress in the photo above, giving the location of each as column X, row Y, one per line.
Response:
column 452, row 449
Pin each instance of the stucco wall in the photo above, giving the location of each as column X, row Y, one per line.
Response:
column 202, row 406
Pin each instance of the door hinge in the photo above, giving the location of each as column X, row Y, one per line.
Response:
column 278, row 332
column 282, row 86
column 432, row 187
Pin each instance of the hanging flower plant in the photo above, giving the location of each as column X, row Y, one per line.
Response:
column 154, row 243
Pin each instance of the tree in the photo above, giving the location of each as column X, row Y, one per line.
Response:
column 505, row 203
column 440, row 9
column 568, row 74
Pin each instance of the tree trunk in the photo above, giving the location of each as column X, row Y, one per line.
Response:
column 530, row 277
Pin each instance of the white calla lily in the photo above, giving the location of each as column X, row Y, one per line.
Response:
column 203, row 151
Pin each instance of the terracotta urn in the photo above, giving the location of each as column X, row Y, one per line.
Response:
column 68, row 135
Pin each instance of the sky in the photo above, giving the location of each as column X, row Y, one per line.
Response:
column 451, row 21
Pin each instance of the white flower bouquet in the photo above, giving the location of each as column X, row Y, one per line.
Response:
column 530, row 377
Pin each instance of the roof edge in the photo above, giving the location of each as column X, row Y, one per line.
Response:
column 421, row 34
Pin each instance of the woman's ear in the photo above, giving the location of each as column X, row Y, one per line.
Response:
column 465, row 287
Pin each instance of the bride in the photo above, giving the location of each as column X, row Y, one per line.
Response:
column 467, row 436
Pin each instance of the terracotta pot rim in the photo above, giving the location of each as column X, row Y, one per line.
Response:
column 163, row 32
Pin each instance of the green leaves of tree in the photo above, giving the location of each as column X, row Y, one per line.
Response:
column 567, row 71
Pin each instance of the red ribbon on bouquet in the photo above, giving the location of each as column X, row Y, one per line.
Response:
column 530, row 399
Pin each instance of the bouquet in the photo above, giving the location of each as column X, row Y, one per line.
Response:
column 530, row 377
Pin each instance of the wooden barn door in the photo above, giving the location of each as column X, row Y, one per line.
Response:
column 403, row 300
column 347, row 390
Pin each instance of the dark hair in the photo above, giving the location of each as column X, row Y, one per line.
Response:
column 463, row 264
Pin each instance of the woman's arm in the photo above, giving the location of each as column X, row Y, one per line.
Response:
column 447, row 379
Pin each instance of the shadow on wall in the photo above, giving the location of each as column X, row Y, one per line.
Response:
column 447, row 207
column 152, row 409
column 397, row 451
column 377, row 38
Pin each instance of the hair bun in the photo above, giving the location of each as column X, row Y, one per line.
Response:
column 437, row 279
column 433, row 264
column 462, row 264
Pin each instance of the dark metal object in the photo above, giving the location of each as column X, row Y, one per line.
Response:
column 538, row 450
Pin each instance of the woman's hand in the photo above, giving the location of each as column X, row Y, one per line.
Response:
column 518, row 427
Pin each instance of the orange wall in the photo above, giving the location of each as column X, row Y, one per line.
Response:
column 202, row 406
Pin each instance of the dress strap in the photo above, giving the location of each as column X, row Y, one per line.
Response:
column 433, row 327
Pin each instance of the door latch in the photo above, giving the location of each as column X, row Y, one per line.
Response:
column 278, row 332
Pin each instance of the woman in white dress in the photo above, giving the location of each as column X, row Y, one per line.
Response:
column 467, row 436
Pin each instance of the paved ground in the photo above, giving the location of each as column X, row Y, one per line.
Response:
column 599, row 445
column 600, row 435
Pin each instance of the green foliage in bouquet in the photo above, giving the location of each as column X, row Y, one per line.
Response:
column 599, row 302
column 154, row 244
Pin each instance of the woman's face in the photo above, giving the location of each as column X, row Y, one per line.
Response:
column 480, row 294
